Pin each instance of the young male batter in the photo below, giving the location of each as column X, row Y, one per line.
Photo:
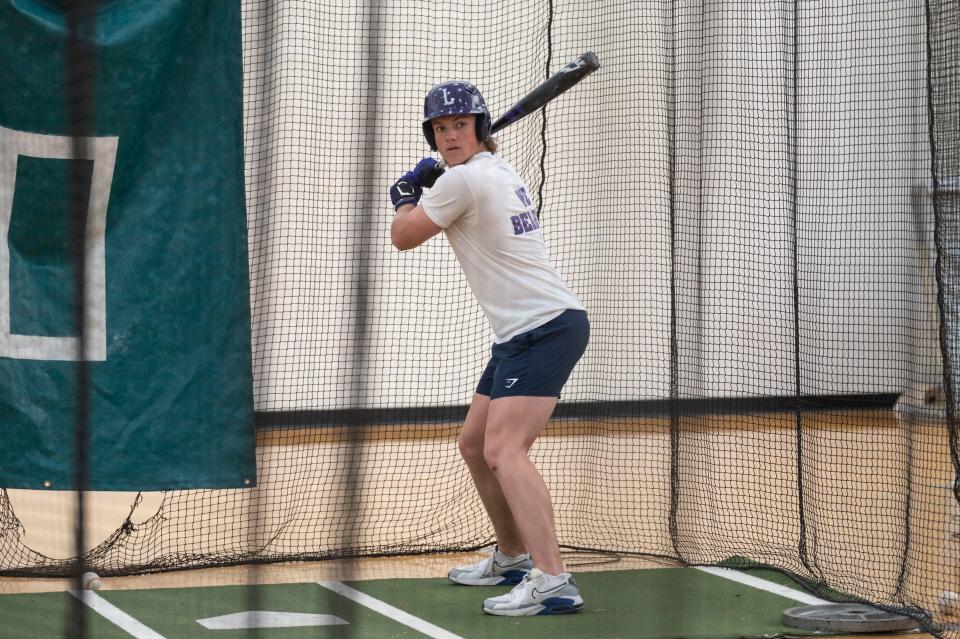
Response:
column 540, row 331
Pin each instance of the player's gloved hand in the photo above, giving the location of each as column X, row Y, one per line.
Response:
column 406, row 190
column 426, row 172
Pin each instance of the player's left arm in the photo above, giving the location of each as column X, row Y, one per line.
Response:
column 412, row 227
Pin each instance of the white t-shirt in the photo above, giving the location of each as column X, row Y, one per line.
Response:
column 490, row 221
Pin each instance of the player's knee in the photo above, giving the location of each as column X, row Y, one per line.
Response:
column 495, row 457
column 471, row 449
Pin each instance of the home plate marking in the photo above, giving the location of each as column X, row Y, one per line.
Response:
column 269, row 619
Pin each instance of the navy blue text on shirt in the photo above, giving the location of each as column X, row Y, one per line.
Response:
column 526, row 221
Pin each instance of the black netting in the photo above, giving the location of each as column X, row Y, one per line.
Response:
column 756, row 203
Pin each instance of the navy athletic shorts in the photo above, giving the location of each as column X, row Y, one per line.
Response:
column 537, row 363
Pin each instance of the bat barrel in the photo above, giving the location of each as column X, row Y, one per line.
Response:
column 574, row 71
column 591, row 60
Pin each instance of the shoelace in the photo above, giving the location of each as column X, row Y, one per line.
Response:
column 520, row 588
column 487, row 565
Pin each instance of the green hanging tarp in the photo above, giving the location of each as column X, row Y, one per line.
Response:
column 167, row 311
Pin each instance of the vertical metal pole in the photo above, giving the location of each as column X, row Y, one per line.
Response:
column 80, row 67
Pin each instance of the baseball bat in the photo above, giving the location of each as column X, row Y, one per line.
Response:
column 574, row 71
column 571, row 73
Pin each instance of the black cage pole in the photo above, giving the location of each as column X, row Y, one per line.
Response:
column 79, row 64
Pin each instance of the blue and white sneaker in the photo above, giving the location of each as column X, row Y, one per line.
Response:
column 497, row 569
column 538, row 594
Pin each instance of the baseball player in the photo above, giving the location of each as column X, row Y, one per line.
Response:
column 540, row 331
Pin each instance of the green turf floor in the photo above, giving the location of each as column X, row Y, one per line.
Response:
column 640, row 604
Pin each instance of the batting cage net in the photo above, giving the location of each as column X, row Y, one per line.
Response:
column 756, row 203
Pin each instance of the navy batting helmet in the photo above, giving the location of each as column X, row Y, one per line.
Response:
column 455, row 98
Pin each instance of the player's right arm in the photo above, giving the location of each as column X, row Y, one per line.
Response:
column 411, row 227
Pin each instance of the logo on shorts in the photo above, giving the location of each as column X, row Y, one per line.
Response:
column 511, row 381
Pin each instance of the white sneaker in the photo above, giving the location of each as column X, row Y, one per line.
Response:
column 538, row 594
column 495, row 570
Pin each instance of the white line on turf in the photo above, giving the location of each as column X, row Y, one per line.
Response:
column 387, row 610
column 114, row 615
column 763, row 584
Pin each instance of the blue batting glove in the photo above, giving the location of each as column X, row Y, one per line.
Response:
column 406, row 190
column 426, row 172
